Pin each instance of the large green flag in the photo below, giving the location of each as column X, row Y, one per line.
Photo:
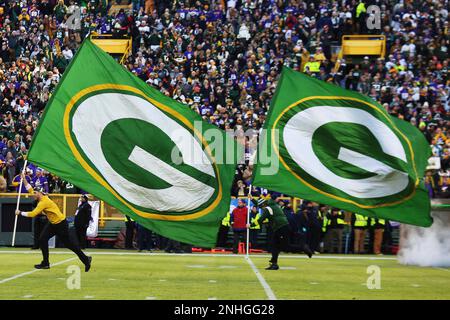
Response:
column 340, row 148
column 152, row 158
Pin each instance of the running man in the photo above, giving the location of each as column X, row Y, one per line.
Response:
column 56, row 225
column 281, row 230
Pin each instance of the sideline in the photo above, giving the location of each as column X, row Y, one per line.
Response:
column 322, row 256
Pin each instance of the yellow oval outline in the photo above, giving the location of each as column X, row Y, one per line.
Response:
column 332, row 195
column 106, row 185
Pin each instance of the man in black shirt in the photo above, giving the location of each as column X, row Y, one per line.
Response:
column 82, row 219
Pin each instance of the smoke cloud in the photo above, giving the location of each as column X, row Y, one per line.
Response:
column 426, row 247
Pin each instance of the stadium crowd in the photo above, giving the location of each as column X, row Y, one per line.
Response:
column 223, row 59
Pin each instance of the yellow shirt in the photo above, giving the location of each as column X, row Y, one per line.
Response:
column 47, row 207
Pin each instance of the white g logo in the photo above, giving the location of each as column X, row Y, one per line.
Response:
column 186, row 193
column 298, row 135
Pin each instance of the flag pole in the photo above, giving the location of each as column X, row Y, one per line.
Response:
column 18, row 202
column 248, row 219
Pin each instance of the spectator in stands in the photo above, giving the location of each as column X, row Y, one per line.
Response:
column 40, row 180
column 9, row 169
column 2, row 184
column 16, row 181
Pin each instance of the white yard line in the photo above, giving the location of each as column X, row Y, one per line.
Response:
column 343, row 257
column 261, row 279
column 33, row 271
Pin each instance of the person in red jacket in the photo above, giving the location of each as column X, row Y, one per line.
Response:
column 238, row 221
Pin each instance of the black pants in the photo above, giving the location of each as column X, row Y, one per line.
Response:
column 39, row 224
column 62, row 231
column 129, row 234
column 81, row 235
column 237, row 236
column 254, row 238
column 314, row 238
column 173, row 246
column 280, row 242
column 222, row 236
column 144, row 236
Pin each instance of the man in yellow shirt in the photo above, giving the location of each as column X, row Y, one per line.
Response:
column 57, row 225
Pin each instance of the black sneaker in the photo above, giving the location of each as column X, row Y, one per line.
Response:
column 308, row 251
column 42, row 266
column 87, row 266
column 273, row 266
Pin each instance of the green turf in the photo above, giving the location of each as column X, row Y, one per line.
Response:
column 222, row 277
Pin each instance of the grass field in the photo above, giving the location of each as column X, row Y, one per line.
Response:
column 118, row 274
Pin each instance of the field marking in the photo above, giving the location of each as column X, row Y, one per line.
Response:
column 227, row 267
column 33, row 271
column 343, row 257
column 196, row 266
column 261, row 279
column 448, row 270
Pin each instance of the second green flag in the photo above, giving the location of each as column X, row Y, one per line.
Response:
column 340, row 148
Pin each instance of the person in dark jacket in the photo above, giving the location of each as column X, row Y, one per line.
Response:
column 309, row 225
column 82, row 218
column 291, row 217
column 144, row 238
column 129, row 233
column 315, row 228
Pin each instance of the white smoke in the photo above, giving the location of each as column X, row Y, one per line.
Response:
column 426, row 247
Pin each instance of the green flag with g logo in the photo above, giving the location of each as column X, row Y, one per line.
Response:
column 152, row 158
column 340, row 148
